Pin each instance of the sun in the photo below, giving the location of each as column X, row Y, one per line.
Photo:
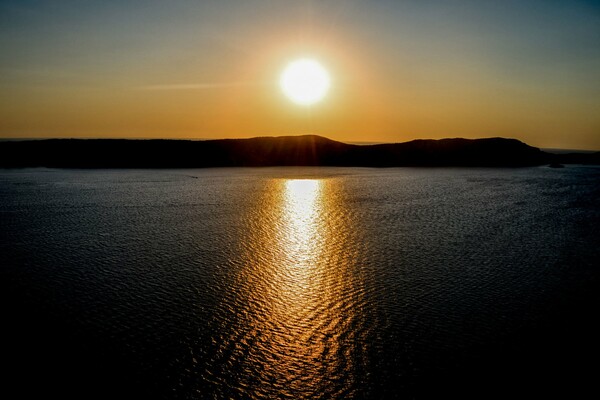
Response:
column 305, row 81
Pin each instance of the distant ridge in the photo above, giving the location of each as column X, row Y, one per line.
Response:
column 307, row 150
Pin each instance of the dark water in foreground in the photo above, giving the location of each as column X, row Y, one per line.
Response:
column 299, row 283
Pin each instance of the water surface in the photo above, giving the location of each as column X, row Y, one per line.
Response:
column 299, row 282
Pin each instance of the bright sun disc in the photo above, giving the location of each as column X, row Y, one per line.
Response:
column 305, row 81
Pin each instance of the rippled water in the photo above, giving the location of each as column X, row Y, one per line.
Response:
column 299, row 282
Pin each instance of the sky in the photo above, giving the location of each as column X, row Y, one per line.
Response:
column 400, row 70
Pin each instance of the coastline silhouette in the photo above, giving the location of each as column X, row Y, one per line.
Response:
column 306, row 150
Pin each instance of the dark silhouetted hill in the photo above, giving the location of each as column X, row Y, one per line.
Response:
column 306, row 150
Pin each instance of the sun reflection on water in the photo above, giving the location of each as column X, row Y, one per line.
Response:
column 297, row 294
column 301, row 233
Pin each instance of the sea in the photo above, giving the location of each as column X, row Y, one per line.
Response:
column 299, row 283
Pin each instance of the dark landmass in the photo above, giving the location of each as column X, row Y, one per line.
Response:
column 306, row 150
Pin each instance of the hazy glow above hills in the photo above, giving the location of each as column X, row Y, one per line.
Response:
column 399, row 70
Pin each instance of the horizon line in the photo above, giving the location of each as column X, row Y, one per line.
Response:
column 354, row 142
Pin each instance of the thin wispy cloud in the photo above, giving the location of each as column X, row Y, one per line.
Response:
column 198, row 86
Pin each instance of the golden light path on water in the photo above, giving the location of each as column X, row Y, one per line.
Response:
column 300, row 294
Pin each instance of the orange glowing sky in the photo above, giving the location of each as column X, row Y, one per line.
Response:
column 399, row 70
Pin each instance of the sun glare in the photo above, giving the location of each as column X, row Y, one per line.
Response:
column 305, row 81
